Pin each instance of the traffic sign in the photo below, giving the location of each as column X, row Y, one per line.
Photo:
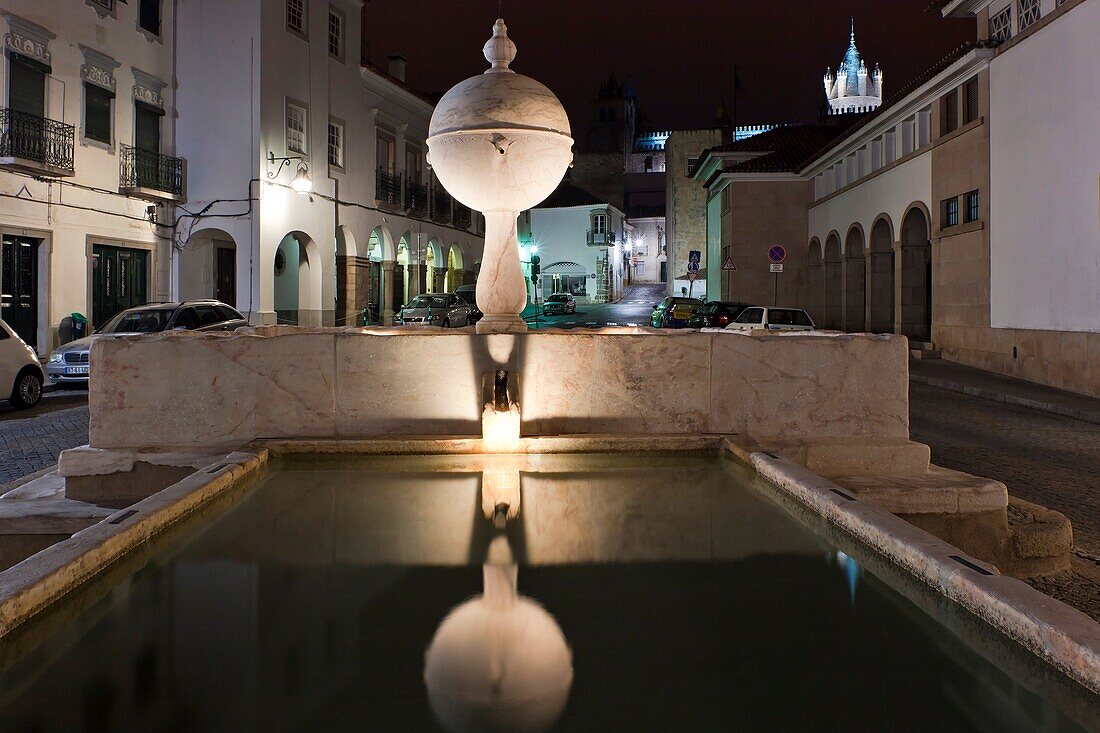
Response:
column 694, row 258
column 776, row 267
column 692, row 274
column 776, row 254
column 728, row 263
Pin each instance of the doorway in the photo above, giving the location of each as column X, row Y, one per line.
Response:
column 120, row 280
column 19, row 286
column 664, row 271
column 225, row 281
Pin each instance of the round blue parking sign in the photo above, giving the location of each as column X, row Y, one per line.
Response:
column 777, row 253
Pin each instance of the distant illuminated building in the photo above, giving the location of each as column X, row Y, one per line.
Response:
column 852, row 88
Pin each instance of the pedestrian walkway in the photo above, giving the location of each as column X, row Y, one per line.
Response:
column 987, row 385
column 34, row 443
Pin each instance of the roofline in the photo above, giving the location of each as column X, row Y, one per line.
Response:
column 973, row 55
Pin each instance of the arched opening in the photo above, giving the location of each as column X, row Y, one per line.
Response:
column 402, row 274
column 881, row 287
column 297, row 286
column 815, row 282
column 379, row 249
column 855, row 282
column 833, row 310
column 434, row 264
column 916, row 276
column 348, row 286
column 208, row 267
column 454, row 269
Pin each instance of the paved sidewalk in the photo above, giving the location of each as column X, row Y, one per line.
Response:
column 34, row 443
column 987, row 385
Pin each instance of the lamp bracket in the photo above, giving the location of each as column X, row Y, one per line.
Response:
column 282, row 161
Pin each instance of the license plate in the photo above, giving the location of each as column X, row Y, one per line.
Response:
column 682, row 314
column 76, row 370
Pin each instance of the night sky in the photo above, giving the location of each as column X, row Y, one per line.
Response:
column 679, row 53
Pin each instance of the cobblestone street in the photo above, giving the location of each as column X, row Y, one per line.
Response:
column 30, row 444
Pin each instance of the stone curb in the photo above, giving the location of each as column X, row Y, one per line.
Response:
column 39, row 581
column 993, row 395
column 1063, row 636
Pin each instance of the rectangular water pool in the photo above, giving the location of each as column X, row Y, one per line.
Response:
column 613, row 592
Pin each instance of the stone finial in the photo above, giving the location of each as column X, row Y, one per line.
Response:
column 499, row 50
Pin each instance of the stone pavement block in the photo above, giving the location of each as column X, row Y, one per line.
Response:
column 31, row 444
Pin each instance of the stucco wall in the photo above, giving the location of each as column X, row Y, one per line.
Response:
column 1045, row 227
column 686, row 205
column 226, row 389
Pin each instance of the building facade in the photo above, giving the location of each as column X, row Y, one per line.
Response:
column 374, row 229
column 88, row 168
column 922, row 217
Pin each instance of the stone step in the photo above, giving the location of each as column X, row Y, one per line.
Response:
column 924, row 353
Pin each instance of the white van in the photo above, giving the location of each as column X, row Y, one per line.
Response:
column 759, row 318
column 19, row 370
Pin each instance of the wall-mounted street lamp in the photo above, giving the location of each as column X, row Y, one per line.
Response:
column 301, row 183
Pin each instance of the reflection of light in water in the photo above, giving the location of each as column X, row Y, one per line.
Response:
column 499, row 661
column 851, row 571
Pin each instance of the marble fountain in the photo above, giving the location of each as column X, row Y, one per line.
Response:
column 220, row 465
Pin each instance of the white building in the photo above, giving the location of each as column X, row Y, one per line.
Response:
column 580, row 241
column 852, row 88
column 86, row 148
column 275, row 90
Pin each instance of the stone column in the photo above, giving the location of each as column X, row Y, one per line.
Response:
column 501, row 290
column 387, row 292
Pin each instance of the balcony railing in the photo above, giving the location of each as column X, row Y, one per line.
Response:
column 600, row 239
column 416, row 197
column 441, row 205
column 150, row 174
column 35, row 144
column 463, row 216
column 387, row 187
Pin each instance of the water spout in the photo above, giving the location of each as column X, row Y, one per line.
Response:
column 500, row 416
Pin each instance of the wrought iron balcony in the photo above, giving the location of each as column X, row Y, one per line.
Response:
column 463, row 216
column 441, row 205
column 387, row 187
column 416, row 197
column 35, row 144
column 600, row 239
column 150, row 175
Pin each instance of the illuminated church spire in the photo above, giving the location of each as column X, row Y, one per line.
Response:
column 852, row 88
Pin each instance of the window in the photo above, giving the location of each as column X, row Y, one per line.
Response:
column 296, row 16
column 147, row 127
column 693, row 163
column 751, row 315
column 599, row 223
column 297, row 122
column 973, row 206
column 639, row 269
column 384, row 153
column 949, row 112
column 413, row 171
column 1000, row 25
column 970, row 100
column 228, row 314
column 97, row 113
column 950, row 212
column 726, row 199
column 149, row 16
column 1028, row 13
column 641, row 248
column 108, row 5
column 335, row 144
column 26, row 85
column 336, row 34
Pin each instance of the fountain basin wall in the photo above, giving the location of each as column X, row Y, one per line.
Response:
column 213, row 390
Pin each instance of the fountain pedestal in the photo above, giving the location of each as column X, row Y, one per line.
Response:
column 501, row 287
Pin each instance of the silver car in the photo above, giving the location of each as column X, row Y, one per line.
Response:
column 436, row 309
column 68, row 364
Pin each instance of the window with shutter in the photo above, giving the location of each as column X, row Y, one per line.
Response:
column 97, row 113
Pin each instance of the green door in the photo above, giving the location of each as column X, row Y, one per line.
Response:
column 120, row 278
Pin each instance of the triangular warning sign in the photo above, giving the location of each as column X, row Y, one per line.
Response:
column 728, row 264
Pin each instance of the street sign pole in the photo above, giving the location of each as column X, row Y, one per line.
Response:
column 776, row 254
column 775, row 298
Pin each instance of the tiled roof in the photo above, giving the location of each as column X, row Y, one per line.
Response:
column 397, row 82
column 785, row 148
column 566, row 195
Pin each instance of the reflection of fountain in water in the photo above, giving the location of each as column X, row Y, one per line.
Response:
column 499, row 661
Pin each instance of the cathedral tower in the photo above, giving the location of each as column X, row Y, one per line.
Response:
column 852, row 88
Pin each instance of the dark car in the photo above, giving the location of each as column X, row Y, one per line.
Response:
column 468, row 293
column 559, row 303
column 674, row 312
column 716, row 314
column 68, row 364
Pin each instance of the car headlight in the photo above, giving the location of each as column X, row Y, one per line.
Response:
column 55, row 357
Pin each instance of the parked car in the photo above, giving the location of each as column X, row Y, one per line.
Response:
column 674, row 312
column 19, row 370
column 772, row 319
column 469, row 294
column 69, row 363
column 716, row 314
column 559, row 303
column 436, row 309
